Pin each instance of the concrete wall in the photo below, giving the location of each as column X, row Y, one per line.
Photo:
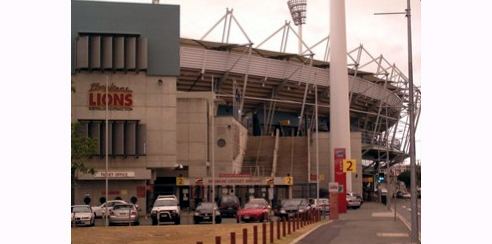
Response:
column 159, row 23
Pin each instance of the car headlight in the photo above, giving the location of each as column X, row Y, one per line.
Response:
column 282, row 211
column 301, row 210
column 197, row 213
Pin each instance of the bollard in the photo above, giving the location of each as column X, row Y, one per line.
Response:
column 199, row 242
column 293, row 224
column 271, row 231
column 264, row 233
column 255, row 234
column 283, row 227
column 278, row 229
column 233, row 237
column 288, row 225
column 301, row 219
column 297, row 221
column 245, row 236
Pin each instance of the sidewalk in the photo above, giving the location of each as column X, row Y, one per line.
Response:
column 372, row 223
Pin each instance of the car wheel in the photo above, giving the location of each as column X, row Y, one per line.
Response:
column 237, row 220
column 218, row 221
column 177, row 221
column 154, row 221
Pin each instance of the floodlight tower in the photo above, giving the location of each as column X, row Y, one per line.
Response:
column 297, row 9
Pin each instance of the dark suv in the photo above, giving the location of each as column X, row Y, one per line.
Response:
column 228, row 205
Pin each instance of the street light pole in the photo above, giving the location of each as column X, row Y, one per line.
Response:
column 414, row 236
column 106, row 146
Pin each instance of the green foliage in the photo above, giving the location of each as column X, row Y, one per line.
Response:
column 82, row 148
column 405, row 177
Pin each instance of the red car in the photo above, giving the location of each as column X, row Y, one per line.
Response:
column 253, row 212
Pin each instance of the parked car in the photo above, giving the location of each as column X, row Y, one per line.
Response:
column 166, row 209
column 406, row 195
column 322, row 205
column 265, row 204
column 82, row 215
column 124, row 213
column 228, row 205
column 353, row 202
column 253, row 212
column 357, row 195
column 205, row 211
column 398, row 194
column 100, row 211
column 291, row 207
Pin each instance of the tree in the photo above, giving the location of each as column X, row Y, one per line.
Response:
column 82, row 148
column 405, row 177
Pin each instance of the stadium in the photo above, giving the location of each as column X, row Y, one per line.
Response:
column 200, row 118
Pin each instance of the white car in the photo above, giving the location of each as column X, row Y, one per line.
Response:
column 353, row 202
column 322, row 205
column 82, row 215
column 166, row 209
column 100, row 210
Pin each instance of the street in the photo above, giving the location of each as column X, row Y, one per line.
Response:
column 403, row 208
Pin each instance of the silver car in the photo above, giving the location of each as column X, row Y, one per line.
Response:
column 126, row 213
column 82, row 215
column 353, row 202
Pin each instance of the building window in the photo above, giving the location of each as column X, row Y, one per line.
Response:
column 125, row 137
column 113, row 52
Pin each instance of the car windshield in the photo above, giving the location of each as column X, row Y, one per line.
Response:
column 160, row 203
column 293, row 202
column 121, row 207
column 229, row 199
column 253, row 205
column 257, row 201
column 205, row 206
column 81, row 209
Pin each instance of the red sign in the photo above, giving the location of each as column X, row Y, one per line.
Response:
column 117, row 98
column 141, row 191
column 340, row 178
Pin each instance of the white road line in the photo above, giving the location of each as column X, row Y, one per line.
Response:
column 392, row 234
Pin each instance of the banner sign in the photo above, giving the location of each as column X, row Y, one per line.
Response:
column 235, row 181
column 118, row 98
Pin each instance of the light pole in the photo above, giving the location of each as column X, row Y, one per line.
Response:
column 414, row 236
column 106, row 146
column 297, row 9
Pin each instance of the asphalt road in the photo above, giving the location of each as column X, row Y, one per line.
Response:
column 404, row 208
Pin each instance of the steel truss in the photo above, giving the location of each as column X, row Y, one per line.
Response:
column 383, row 123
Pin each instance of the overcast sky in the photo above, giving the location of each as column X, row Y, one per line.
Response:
column 385, row 35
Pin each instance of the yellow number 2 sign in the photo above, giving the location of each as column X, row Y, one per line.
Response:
column 349, row 165
column 288, row 181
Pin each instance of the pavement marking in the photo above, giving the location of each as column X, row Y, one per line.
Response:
column 383, row 214
column 392, row 234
